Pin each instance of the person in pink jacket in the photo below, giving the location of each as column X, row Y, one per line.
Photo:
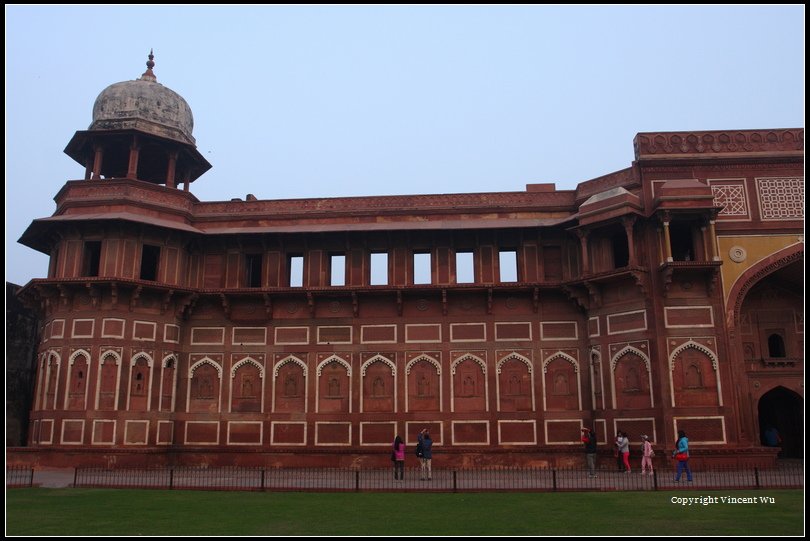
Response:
column 646, row 455
column 398, row 454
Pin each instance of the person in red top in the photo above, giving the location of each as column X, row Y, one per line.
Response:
column 589, row 440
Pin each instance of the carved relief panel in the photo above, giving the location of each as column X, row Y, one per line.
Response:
column 514, row 385
column 139, row 384
column 108, row 382
column 424, row 381
column 204, row 387
column 631, row 379
column 77, row 384
column 469, row 384
column 168, row 379
column 560, row 383
column 246, row 386
column 378, row 386
column 289, row 383
column 333, row 386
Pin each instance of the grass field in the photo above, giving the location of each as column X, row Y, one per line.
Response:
column 87, row 512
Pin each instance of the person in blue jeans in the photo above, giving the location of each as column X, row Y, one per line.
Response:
column 681, row 454
column 427, row 445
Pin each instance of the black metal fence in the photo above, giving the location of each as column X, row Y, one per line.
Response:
column 19, row 477
column 441, row 480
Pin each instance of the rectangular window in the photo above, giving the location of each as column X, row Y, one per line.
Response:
column 92, row 258
column 150, row 257
column 337, row 270
column 295, row 271
column 507, row 261
column 421, row 268
column 253, row 270
column 379, row 269
column 465, row 268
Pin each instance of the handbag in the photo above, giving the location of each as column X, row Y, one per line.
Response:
column 652, row 454
column 681, row 457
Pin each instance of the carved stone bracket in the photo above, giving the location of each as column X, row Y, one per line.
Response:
column 536, row 299
column 114, row 294
column 186, row 306
column 444, row 302
column 64, row 295
column 641, row 282
column 355, row 304
column 311, row 304
column 577, row 295
column 226, row 306
column 167, row 299
column 95, row 294
column 268, row 305
column 666, row 276
column 489, row 301
column 713, row 281
column 399, row 302
column 135, row 297
column 595, row 293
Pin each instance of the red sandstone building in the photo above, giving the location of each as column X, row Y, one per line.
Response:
column 666, row 296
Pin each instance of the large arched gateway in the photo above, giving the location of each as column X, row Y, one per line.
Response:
column 766, row 316
column 781, row 422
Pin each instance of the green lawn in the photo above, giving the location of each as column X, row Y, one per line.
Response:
column 86, row 512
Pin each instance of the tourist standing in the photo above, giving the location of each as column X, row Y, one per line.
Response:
column 398, row 456
column 427, row 454
column 624, row 450
column 646, row 455
column 589, row 440
column 681, row 454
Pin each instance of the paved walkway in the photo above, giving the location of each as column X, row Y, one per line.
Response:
column 788, row 474
column 54, row 478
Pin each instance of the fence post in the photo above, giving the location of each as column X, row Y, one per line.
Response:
column 455, row 481
column 357, row 480
column 31, row 479
column 655, row 479
column 75, row 476
column 554, row 480
column 263, row 474
column 171, row 478
column 756, row 477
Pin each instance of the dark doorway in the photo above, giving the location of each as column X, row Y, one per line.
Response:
column 782, row 410
column 621, row 253
column 681, row 241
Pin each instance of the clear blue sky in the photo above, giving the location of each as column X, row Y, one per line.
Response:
column 339, row 101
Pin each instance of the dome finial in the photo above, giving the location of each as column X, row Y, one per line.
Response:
column 149, row 65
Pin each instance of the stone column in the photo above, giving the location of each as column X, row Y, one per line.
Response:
column 667, row 244
column 583, row 244
column 88, row 168
column 98, row 160
column 170, row 170
column 712, row 241
column 134, row 152
column 628, row 223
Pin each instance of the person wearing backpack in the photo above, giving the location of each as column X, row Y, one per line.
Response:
column 424, row 450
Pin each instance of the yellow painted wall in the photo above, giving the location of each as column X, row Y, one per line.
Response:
column 757, row 248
